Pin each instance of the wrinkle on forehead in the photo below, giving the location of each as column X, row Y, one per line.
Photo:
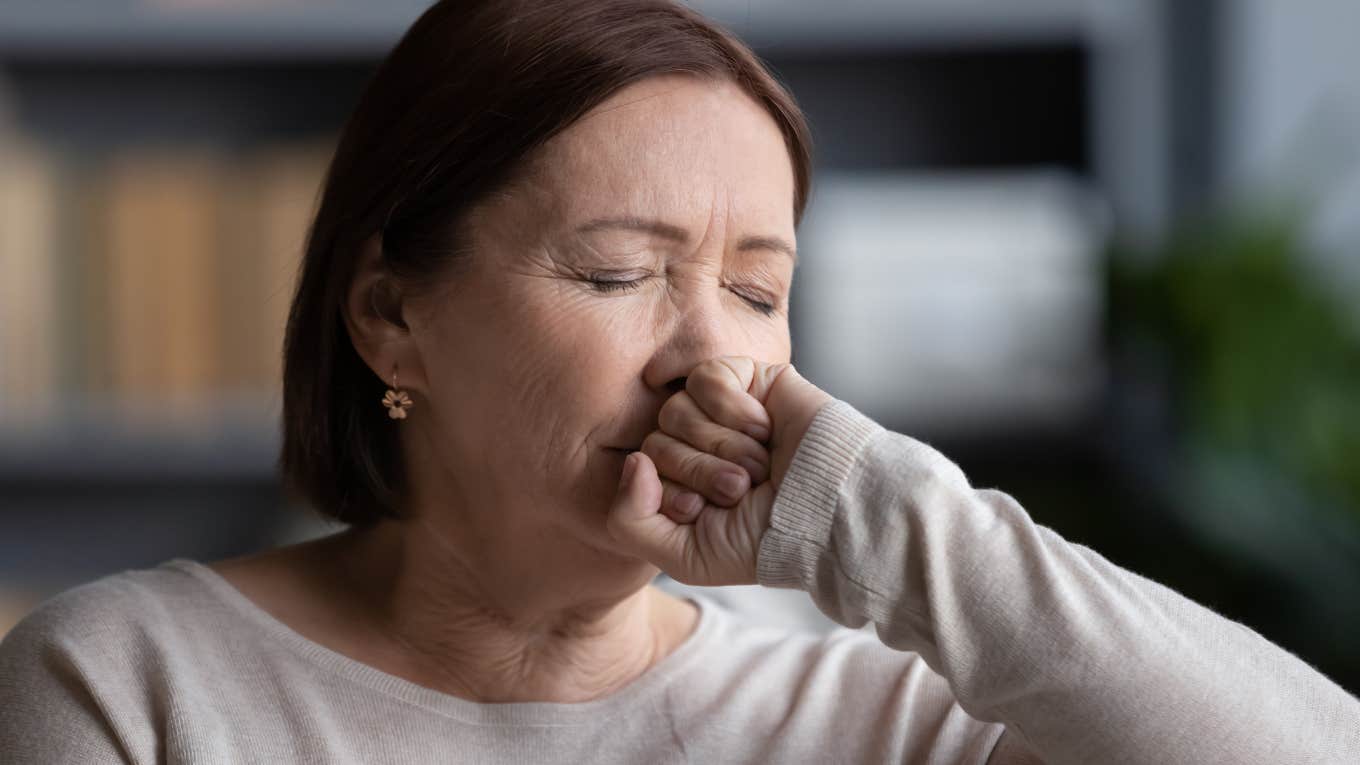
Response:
column 679, row 148
column 661, row 150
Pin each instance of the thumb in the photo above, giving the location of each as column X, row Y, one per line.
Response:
column 636, row 521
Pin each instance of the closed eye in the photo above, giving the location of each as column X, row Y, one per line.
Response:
column 614, row 285
column 629, row 285
column 760, row 305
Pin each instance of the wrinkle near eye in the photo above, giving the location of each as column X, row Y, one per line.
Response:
column 760, row 282
column 581, row 254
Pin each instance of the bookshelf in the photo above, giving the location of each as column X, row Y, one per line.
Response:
column 118, row 103
column 137, row 102
column 149, row 290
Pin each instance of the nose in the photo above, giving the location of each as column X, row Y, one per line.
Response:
column 697, row 334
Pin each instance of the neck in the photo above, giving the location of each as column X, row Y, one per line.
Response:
column 442, row 621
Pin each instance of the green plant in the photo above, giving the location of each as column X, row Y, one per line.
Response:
column 1268, row 358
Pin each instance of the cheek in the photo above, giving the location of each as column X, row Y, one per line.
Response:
column 762, row 337
column 557, row 371
column 559, row 348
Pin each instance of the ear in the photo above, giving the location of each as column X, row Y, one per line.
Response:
column 375, row 315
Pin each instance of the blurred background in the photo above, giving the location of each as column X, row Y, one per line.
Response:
column 1105, row 254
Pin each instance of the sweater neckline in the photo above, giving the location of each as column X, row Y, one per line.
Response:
column 531, row 713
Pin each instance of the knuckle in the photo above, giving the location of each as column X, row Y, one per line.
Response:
column 729, row 411
column 692, row 467
column 724, row 443
column 711, row 392
column 710, row 366
column 739, row 367
column 706, row 376
column 673, row 413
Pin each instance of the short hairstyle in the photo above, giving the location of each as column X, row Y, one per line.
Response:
column 446, row 120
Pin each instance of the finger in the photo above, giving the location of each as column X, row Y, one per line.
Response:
column 635, row 522
column 682, row 418
column 680, row 503
column 721, row 482
column 725, row 541
column 719, row 386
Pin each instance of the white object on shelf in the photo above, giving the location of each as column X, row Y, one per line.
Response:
column 954, row 302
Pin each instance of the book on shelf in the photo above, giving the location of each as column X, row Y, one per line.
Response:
column 158, row 217
column 272, row 199
column 29, row 301
column 155, row 281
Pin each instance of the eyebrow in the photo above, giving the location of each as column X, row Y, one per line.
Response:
column 678, row 234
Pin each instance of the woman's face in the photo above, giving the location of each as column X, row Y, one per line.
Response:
column 674, row 196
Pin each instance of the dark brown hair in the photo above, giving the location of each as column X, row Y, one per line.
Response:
column 448, row 117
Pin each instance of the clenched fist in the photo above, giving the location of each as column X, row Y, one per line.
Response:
column 696, row 499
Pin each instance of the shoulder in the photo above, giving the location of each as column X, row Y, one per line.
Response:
column 107, row 630
column 73, row 670
column 88, row 615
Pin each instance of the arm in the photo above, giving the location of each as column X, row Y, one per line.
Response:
column 1086, row 661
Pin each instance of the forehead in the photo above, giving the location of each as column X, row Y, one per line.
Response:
column 671, row 147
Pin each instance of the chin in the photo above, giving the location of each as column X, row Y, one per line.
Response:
column 588, row 524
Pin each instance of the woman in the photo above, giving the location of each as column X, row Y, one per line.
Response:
column 556, row 243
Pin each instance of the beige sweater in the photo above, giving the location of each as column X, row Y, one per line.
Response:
column 990, row 624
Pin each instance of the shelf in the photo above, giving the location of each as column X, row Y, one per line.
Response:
column 111, row 29
column 902, row 23
column 92, row 443
column 352, row 28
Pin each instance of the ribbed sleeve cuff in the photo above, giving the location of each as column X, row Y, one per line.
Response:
column 800, row 521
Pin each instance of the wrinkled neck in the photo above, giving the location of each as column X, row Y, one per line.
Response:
column 501, row 636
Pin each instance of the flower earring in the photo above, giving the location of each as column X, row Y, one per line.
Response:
column 396, row 400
